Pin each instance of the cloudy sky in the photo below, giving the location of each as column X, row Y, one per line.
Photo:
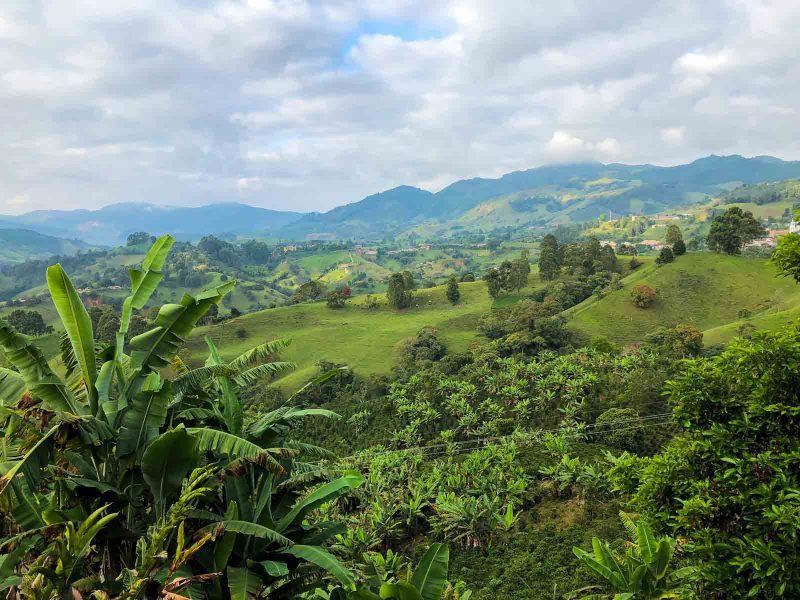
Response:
column 307, row 105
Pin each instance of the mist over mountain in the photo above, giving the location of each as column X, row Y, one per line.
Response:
column 112, row 224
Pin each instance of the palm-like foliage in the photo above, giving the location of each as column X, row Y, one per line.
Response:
column 642, row 571
column 120, row 465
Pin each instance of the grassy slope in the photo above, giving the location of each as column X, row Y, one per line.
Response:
column 363, row 339
column 703, row 289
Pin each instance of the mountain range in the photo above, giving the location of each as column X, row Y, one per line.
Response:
column 541, row 197
column 112, row 224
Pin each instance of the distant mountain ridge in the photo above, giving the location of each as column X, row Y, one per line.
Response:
column 112, row 224
column 543, row 196
column 17, row 245
column 540, row 197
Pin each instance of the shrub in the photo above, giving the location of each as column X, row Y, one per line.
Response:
column 642, row 295
column 336, row 299
column 665, row 257
column 617, row 428
column 679, row 248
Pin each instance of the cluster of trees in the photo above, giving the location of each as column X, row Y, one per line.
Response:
column 577, row 258
column 509, row 276
column 29, row 322
column 731, row 230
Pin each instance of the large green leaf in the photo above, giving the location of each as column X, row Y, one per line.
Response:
column 233, row 446
column 144, row 416
column 153, row 349
column 12, row 386
column 243, row 584
column 78, row 326
column 430, row 576
column 166, row 462
column 402, row 590
column 31, row 455
column 225, row 544
column 325, row 493
column 646, row 540
column 252, row 529
column 145, row 282
column 231, row 407
column 39, row 377
column 323, row 559
column 255, row 355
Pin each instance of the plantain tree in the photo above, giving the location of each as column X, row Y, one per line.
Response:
column 131, row 475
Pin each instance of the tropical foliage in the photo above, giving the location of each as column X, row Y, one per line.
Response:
column 121, row 480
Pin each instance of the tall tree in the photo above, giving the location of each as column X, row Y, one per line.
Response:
column 453, row 293
column 549, row 258
column 398, row 295
column 673, row 234
column 520, row 269
column 731, row 230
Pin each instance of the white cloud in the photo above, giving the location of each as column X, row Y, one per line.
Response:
column 305, row 105
column 672, row 135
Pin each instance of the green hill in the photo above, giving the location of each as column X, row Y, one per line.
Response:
column 703, row 289
column 363, row 339
column 17, row 245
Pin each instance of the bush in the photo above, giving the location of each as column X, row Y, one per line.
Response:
column 679, row 248
column 665, row 257
column 336, row 299
column 634, row 263
column 643, row 296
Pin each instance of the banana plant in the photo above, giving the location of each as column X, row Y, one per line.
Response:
column 641, row 572
column 115, row 436
column 427, row 582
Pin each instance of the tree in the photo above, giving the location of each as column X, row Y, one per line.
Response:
column 731, row 230
column 29, row 322
column 643, row 295
column 673, row 234
column 681, row 341
column 665, row 256
column 336, row 299
column 494, row 282
column 408, row 280
column 140, row 237
column 549, row 258
column 520, row 269
column 729, row 486
column 398, row 295
column 679, row 248
column 453, row 293
column 787, row 256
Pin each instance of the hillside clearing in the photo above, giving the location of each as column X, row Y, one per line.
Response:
column 702, row 289
column 365, row 340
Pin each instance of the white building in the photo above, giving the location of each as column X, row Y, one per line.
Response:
column 794, row 227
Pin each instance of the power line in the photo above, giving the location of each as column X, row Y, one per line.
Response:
column 461, row 446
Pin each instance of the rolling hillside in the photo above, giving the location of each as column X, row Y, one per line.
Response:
column 703, row 289
column 17, row 245
column 365, row 340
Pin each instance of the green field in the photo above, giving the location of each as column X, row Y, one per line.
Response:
column 365, row 340
column 703, row 289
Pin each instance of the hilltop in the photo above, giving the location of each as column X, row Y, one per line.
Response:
column 713, row 292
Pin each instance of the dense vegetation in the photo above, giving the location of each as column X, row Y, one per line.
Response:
column 132, row 468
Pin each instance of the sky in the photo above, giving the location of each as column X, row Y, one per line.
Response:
column 299, row 105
